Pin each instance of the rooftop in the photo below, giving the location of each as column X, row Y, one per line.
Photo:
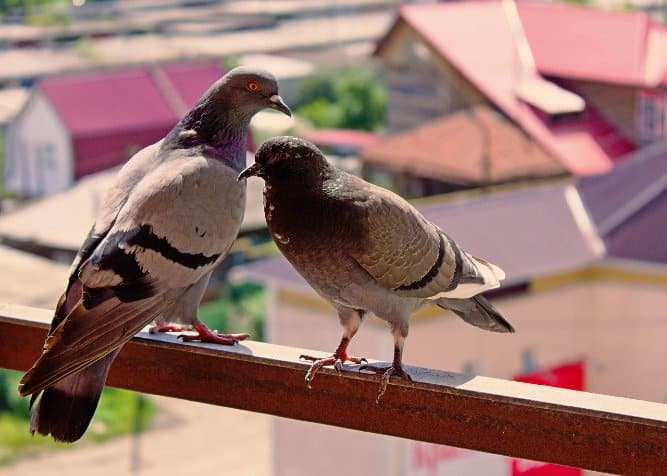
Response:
column 584, row 144
column 473, row 137
column 150, row 97
column 629, row 205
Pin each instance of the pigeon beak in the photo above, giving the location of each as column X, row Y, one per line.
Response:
column 278, row 104
column 253, row 170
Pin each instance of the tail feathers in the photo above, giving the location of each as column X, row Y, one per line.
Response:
column 65, row 409
column 477, row 311
column 491, row 273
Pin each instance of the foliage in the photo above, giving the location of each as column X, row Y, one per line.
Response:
column 354, row 98
column 38, row 12
column 119, row 412
column 238, row 308
column 85, row 48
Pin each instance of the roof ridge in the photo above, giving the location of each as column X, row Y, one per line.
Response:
column 633, row 206
column 168, row 90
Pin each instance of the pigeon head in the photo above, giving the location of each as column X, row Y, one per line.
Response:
column 287, row 158
column 248, row 91
column 222, row 114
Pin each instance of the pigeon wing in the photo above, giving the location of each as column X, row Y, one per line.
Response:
column 412, row 257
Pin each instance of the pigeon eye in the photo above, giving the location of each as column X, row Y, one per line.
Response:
column 252, row 86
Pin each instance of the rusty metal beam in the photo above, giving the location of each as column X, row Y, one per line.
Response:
column 597, row 432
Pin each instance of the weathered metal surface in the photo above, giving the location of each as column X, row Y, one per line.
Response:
column 597, row 432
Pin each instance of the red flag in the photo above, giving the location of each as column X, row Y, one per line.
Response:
column 570, row 375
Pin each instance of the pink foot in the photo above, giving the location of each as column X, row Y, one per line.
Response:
column 212, row 336
column 387, row 372
column 337, row 360
column 168, row 328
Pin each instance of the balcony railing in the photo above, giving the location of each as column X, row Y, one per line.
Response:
column 586, row 430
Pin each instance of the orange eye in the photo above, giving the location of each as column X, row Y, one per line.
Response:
column 252, row 86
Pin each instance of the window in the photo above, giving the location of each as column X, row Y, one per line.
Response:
column 650, row 115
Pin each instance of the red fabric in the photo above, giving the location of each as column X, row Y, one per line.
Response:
column 533, row 468
column 570, row 375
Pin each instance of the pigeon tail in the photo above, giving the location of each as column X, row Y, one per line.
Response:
column 477, row 311
column 65, row 409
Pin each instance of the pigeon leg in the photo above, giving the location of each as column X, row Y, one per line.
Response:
column 204, row 334
column 396, row 368
column 168, row 327
column 350, row 319
column 188, row 306
column 337, row 359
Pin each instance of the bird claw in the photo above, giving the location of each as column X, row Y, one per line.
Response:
column 338, row 365
column 204, row 334
column 387, row 372
column 337, row 360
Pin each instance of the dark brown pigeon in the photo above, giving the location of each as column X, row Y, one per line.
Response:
column 169, row 219
column 365, row 249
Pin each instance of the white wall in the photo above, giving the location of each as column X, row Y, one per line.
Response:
column 39, row 155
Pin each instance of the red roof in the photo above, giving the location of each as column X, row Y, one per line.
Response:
column 191, row 79
column 110, row 114
column 106, row 101
column 460, row 159
column 599, row 45
column 585, row 144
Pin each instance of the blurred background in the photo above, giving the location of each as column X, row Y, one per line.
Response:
column 532, row 132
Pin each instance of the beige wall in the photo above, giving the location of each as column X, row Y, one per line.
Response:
column 619, row 328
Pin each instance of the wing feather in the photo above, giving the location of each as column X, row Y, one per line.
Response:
column 412, row 257
column 85, row 336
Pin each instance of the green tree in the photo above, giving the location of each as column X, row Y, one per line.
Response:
column 354, row 99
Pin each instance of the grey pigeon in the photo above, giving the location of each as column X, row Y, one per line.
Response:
column 364, row 248
column 171, row 216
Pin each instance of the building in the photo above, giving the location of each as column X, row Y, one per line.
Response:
column 574, row 293
column 76, row 125
column 585, row 85
column 471, row 148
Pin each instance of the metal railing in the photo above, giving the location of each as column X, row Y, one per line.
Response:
column 586, row 430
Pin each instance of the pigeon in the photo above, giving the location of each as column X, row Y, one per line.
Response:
column 171, row 216
column 365, row 249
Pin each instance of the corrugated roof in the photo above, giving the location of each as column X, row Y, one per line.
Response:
column 529, row 232
column 107, row 101
column 455, row 148
column 111, row 114
column 585, row 144
column 571, row 41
